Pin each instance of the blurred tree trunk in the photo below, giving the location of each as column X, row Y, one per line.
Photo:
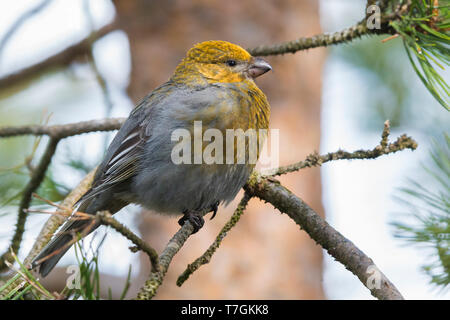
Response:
column 266, row 255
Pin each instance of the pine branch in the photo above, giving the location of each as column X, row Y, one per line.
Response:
column 266, row 188
column 403, row 142
column 150, row 287
column 65, row 130
column 105, row 218
column 206, row 257
column 304, row 43
column 342, row 249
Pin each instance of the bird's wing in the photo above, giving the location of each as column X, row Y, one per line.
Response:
column 121, row 159
column 123, row 155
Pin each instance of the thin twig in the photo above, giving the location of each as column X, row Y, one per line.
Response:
column 58, row 60
column 104, row 217
column 304, row 43
column 206, row 257
column 65, row 209
column 76, row 236
column 150, row 287
column 65, row 130
column 56, row 133
column 403, row 142
column 156, row 278
column 93, row 64
column 34, row 183
column 385, row 135
column 324, row 40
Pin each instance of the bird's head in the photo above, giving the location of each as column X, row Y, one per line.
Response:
column 220, row 61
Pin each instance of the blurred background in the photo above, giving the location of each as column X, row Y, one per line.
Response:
column 321, row 99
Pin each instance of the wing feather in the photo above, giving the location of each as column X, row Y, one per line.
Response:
column 123, row 155
column 119, row 165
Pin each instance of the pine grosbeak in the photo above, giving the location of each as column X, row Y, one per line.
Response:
column 213, row 84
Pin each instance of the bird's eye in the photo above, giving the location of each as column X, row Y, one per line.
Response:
column 231, row 63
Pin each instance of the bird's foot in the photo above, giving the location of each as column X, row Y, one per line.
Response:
column 194, row 217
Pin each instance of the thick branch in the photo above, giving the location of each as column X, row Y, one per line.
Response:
column 342, row 249
column 384, row 148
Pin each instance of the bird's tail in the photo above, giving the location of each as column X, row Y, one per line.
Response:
column 58, row 246
column 72, row 230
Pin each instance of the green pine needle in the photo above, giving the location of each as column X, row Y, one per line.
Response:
column 425, row 33
column 431, row 212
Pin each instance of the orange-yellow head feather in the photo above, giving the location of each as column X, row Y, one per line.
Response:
column 218, row 61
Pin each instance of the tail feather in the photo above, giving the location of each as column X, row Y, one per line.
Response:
column 58, row 246
column 61, row 243
column 47, row 265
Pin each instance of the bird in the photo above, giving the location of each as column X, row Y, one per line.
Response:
column 214, row 84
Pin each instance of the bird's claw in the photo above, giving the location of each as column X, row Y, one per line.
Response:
column 214, row 209
column 195, row 218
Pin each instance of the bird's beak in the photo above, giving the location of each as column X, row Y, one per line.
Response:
column 258, row 67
